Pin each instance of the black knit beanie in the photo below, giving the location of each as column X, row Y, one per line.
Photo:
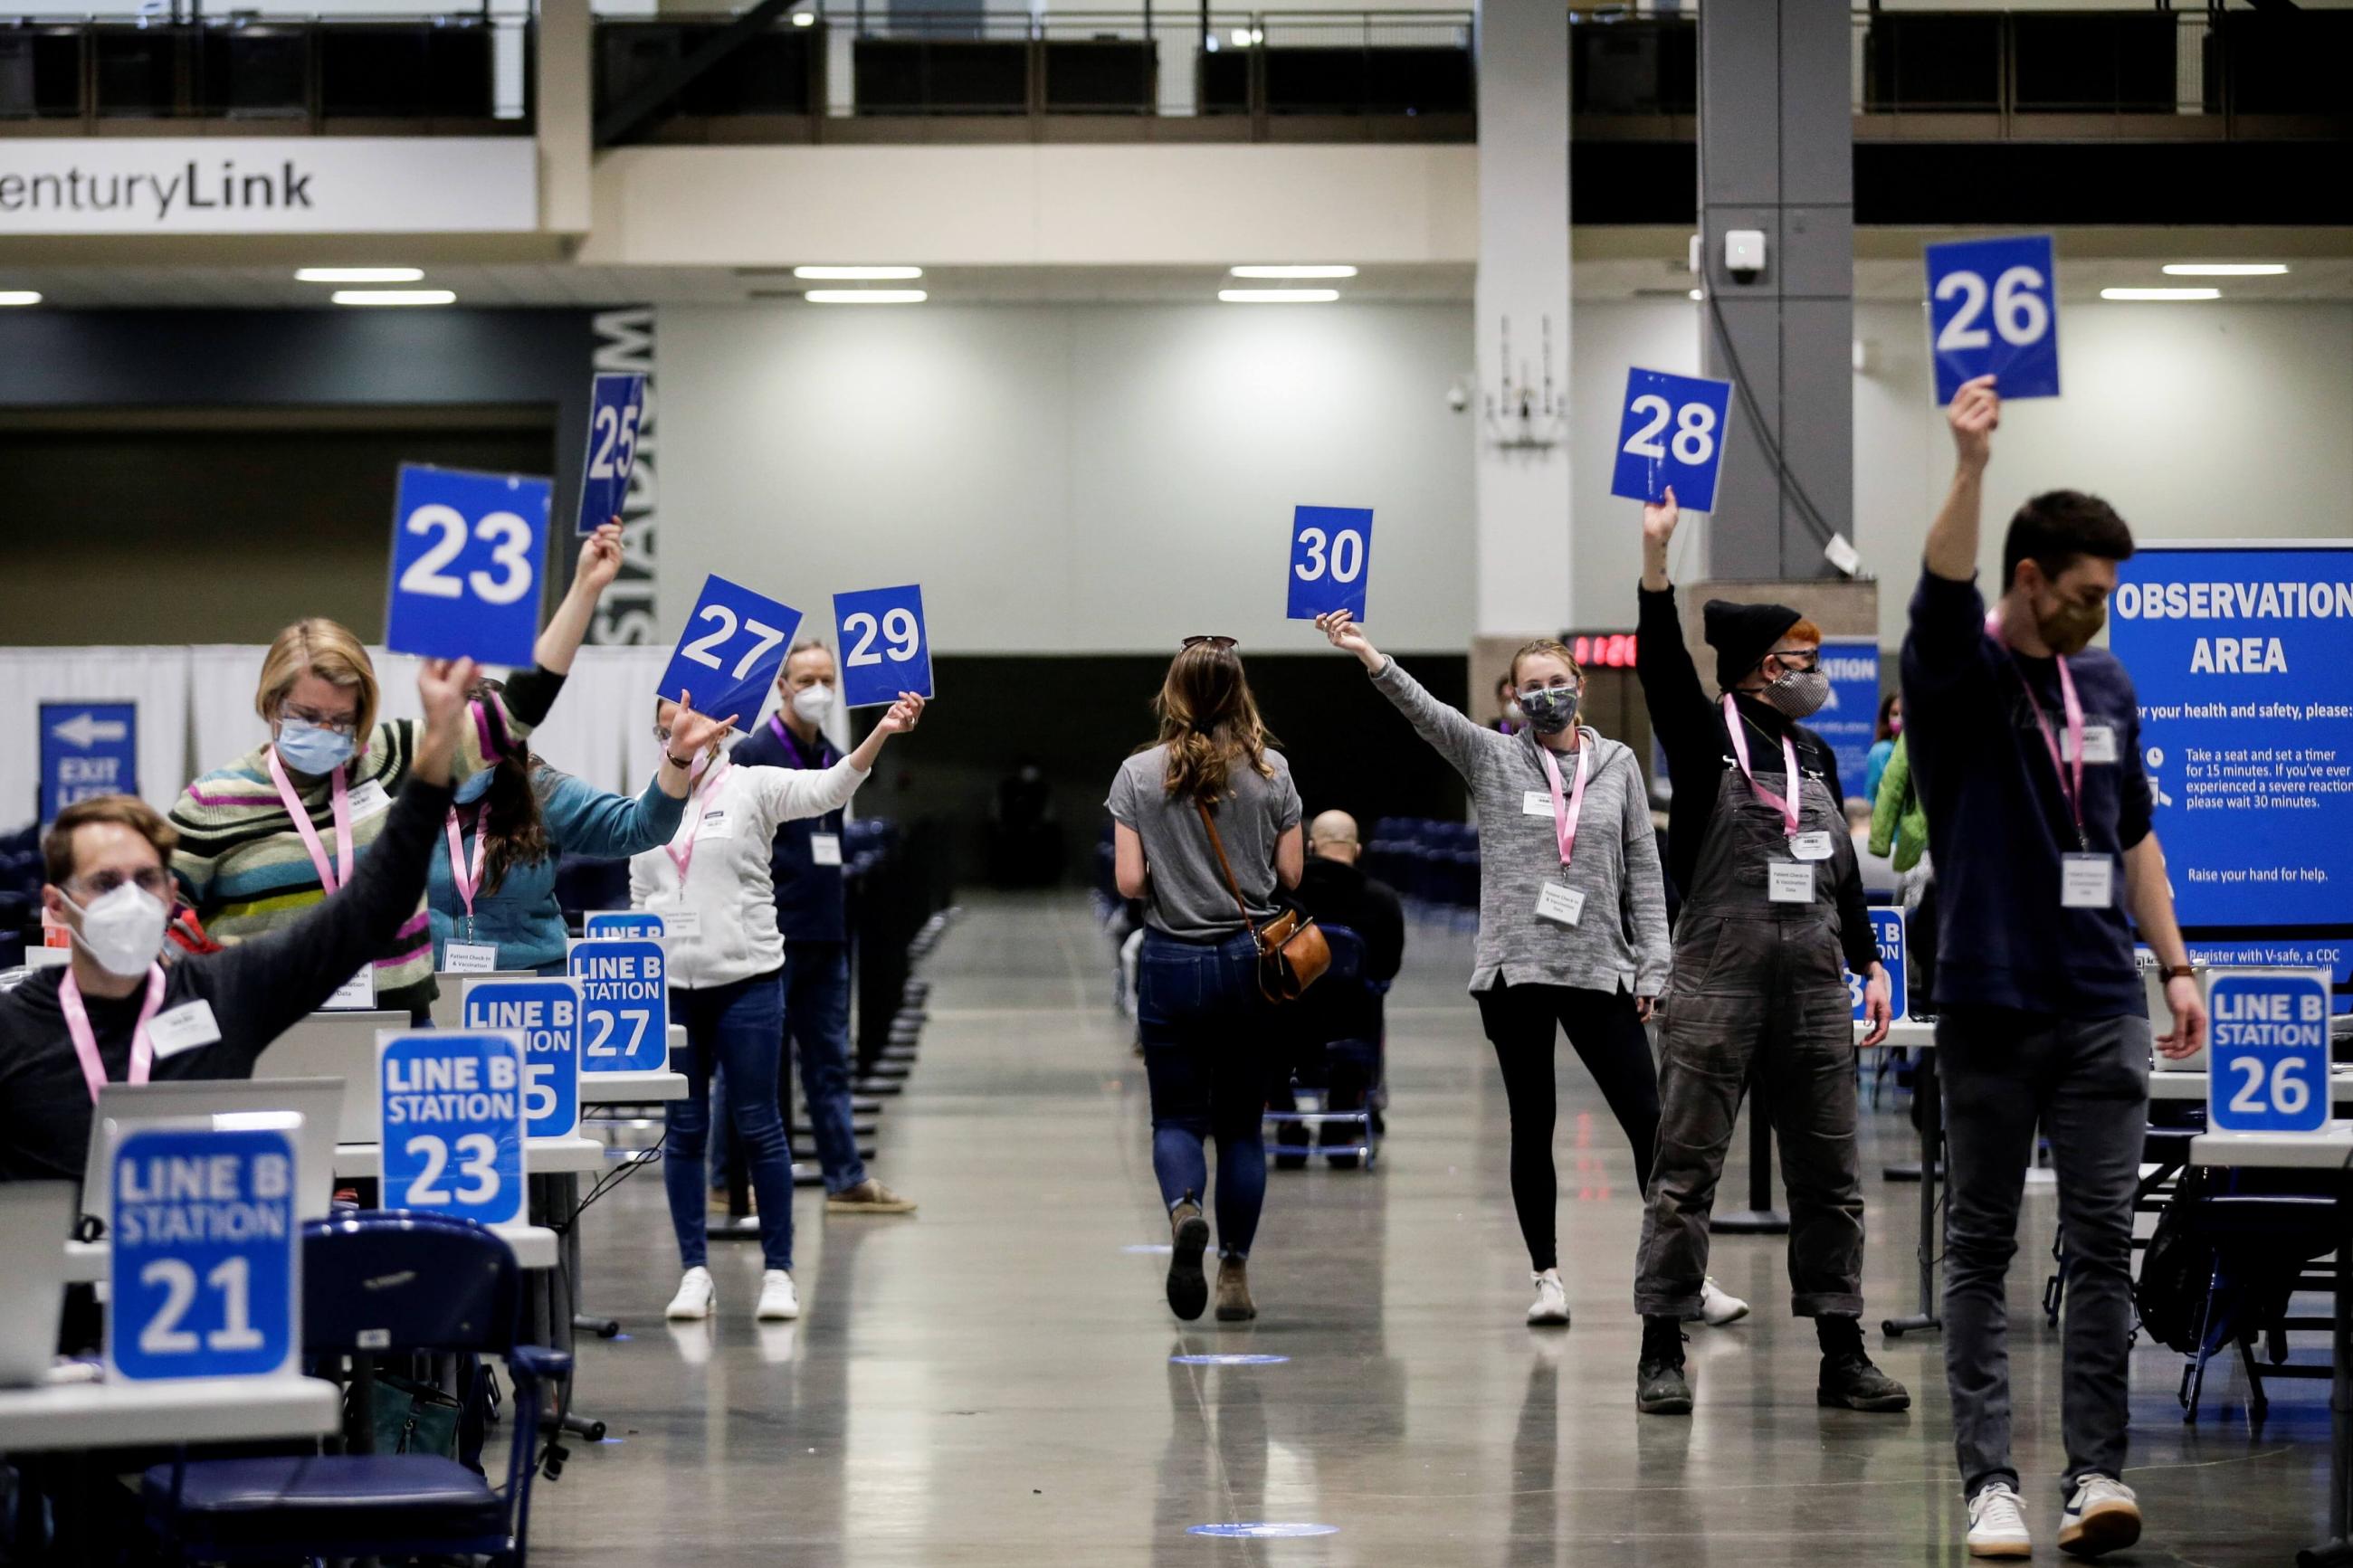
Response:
column 1742, row 634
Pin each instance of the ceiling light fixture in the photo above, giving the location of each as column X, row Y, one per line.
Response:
column 1308, row 270
column 866, row 295
column 359, row 274
column 2225, row 268
column 1697, row 295
column 2160, row 293
column 803, row 19
column 1278, row 296
column 394, row 297
column 19, row 297
column 853, row 274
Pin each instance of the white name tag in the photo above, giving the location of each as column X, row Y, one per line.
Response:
column 1536, row 802
column 2099, row 744
column 1561, row 905
column 184, row 1028
column 1789, row 882
column 716, row 824
column 369, row 800
column 681, row 922
column 2087, row 881
column 825, row 848
column 470, row 957
column 356, row 995
column 1810, row 845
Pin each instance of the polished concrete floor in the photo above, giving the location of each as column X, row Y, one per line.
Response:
column 991, row 1382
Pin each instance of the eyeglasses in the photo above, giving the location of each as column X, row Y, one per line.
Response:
column 1799, row 660
column 1223, row 644
column 340, row 723
column 155, row 880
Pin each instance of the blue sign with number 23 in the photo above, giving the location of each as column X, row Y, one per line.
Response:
column 467, row 555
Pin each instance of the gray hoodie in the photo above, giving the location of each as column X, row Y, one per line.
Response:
column 1621, row 942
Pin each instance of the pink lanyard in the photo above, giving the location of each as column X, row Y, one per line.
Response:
column 301, row 815
column 1565, row 813
column 684, row 859
column 1787, row 807
column 467, row 885
column 142, row 1049
column 2073, row 791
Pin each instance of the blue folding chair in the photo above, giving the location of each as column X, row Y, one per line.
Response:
column 373, row 1283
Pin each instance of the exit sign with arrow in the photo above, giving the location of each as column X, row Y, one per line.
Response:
column 87, row 749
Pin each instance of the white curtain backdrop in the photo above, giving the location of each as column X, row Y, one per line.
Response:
column 154, row 678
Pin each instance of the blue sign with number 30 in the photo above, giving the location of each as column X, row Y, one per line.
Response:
column 884, row 648
column 452, row 1116
column 1671, row 435
column 2267, row 1050
column 1993, row 310
column 467, row 552
column 615, row 403
column 1331, row 559
column 732, row 648
column 206, row 1253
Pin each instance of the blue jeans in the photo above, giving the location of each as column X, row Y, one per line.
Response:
column 816, row 1028
column 736, row 1028
column 1211, row 1053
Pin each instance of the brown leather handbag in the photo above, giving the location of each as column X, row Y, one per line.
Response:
column 1291, row 952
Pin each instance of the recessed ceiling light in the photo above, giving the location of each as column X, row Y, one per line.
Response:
column 394, row 297
column 359, row 274
column 848, row 274
column 803, row 19
column 866, row 295
column 2160, row 293
column 1278, row 296
column 1698, row 294
column 2225, row 268
column 1304, row 271
column 19, row 297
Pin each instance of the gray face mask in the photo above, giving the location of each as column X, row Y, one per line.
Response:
column 1798, row 694
column 1550, row 709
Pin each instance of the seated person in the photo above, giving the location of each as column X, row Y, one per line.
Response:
column 1336, row 1027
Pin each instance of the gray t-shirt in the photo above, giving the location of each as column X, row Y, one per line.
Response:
column 1188, row 897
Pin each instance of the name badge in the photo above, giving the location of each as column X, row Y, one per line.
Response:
column 1789, row 882
column 2099, row 744
column 184, row 1028
column 2087, row 881
column 1810, row 845
column 825, row 848
column 1536, row 802
column 356, row 995
column 679, row 920
column 369, row 800
column 1561, row 905
column 716, row 824
column 470, row 958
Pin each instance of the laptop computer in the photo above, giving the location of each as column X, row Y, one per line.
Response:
column 35, row 1219
column 318, row 1100
column 449, row 1006
column 338, row 1044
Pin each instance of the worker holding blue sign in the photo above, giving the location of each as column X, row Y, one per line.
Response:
column 2026, row 742
column 712, row 886
column 1993, row 310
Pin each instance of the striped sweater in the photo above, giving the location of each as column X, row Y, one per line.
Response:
column 243, row 868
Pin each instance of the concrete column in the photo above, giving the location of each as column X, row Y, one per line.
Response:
column 1523, row 540
column 1777, row 153
column 565, row 104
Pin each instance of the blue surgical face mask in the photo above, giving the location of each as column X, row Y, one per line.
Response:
column 309, row 748
column 476, row 786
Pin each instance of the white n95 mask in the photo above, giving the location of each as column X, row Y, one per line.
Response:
column 811, row 703
column 123, row 930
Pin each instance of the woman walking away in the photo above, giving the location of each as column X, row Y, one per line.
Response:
column 1208, row 834
column 1572, row 919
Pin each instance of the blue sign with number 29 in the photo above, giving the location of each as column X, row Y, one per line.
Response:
column 1993, row 310
column 884, row 648
column 1671, row 435
column 733, row 647
column 468, row 551
column 2267, row 1054
column 1331, row 558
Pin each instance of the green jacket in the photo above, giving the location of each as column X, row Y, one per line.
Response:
column 1899, row 821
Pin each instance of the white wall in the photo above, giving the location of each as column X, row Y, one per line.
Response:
column 1067, row 480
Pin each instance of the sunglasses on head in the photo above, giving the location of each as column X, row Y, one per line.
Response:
column 1223, row 644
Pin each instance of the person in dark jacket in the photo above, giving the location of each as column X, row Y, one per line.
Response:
column 1772, row 904
column 1335, row 1030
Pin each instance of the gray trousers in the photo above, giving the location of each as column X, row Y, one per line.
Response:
column 2085, row 1083
column 1768, row 993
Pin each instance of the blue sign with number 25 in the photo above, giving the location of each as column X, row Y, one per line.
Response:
column 615, row 403
column 1671, row 435
column 1993, row 310
column 733, row 647
column 467, row 555
column 884, row 648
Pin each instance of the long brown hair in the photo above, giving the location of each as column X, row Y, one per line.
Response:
column 1207, row 719
column 515, row 833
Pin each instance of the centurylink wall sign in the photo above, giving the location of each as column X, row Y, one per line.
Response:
column 414, row 185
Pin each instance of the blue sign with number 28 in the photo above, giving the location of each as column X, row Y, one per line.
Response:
column 1331, row 558
column 733, row 647
column 468, row 551
column 2267, row 1054
column 1671, row 435
column 1993, row 310
column 884, row 648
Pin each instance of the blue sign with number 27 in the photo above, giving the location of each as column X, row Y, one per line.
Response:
column 1671, row 435
column 1993, row 310
column 468, row 551
column 884, row 648
column 733, row 647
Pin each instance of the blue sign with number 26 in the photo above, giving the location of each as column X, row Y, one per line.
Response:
column 733, row 647
column 884, row 648
column 1993, row 310
column 467, row 553
column 1331, row 558
column 1671, row 435
column 2267, row 1054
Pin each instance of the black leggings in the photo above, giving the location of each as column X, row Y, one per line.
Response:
column 1609, row 1040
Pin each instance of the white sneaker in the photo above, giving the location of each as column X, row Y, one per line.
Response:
column 1550, row 1309
column 2102, row 1516
column 779, row 1302
column 1997, row 1527
column 1718, row 1307
column 693, row 1297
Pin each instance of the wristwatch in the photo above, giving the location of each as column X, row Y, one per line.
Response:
column 2177, row 971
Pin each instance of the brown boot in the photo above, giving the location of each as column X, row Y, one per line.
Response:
column 1188, row 1235
column 1234, row 1303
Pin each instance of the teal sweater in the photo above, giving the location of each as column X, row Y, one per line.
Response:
column 524, row 917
